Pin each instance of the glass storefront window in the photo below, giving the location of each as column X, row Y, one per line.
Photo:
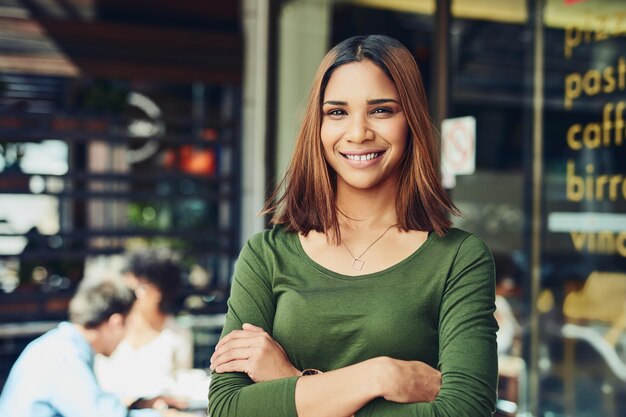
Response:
column 547, row 95
column 581, row 303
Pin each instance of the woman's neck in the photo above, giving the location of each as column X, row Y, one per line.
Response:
column 154, row 320
column 143, row 328
column 366, row 208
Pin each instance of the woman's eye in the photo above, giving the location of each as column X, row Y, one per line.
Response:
column 381, row 110
column 336, row 112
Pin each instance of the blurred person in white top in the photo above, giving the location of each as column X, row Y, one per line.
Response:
column 155, row 348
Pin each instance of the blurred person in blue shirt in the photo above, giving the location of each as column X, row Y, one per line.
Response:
column 54, row 377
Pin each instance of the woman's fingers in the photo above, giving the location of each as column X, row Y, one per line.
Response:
column 253, row 351
column 230, row 345
column 232, row 366
column 243, row 339
column 237, row 334
column 252, row 327
column 242, row 353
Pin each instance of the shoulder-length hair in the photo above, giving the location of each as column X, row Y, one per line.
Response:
column 305, row 198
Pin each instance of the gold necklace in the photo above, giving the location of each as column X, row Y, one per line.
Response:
column 358, row 262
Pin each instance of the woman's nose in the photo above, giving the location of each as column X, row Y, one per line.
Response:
column 359, row 131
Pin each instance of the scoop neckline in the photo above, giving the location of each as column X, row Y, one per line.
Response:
column 371, row 275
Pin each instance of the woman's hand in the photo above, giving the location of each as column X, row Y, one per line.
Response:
column 253, row 351
column 408, row 381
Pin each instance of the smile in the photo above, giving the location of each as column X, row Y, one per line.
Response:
column 364, row 157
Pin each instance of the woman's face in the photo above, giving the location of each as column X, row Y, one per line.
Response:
column 148, row 295
column 364, row 129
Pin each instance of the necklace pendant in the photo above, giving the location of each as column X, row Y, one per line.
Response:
column 358, row 264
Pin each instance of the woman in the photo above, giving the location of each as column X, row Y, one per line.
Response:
column 155, row 348
column 361, row 277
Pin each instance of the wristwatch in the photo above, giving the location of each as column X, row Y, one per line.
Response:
column 310, row 371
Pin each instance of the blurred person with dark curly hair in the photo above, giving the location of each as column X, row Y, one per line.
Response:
column 146, row 361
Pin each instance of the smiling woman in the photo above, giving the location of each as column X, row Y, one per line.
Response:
column 363, row 180
column 364, row 130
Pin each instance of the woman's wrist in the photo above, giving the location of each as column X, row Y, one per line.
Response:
column 294, row 372
column 375, row 375
column 378, row 370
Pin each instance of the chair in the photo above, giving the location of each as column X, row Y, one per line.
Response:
column 596, row 315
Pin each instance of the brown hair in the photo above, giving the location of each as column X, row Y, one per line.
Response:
column 305, row 198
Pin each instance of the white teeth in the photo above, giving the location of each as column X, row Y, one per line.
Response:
column 366, row 157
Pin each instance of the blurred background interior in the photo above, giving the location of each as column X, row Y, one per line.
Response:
column 132, row 124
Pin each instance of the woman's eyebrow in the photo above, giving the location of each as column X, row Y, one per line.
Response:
column 373, row 101
column 336, row 103
column 382, row 101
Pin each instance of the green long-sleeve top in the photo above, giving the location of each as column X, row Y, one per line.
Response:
column 435, row 306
